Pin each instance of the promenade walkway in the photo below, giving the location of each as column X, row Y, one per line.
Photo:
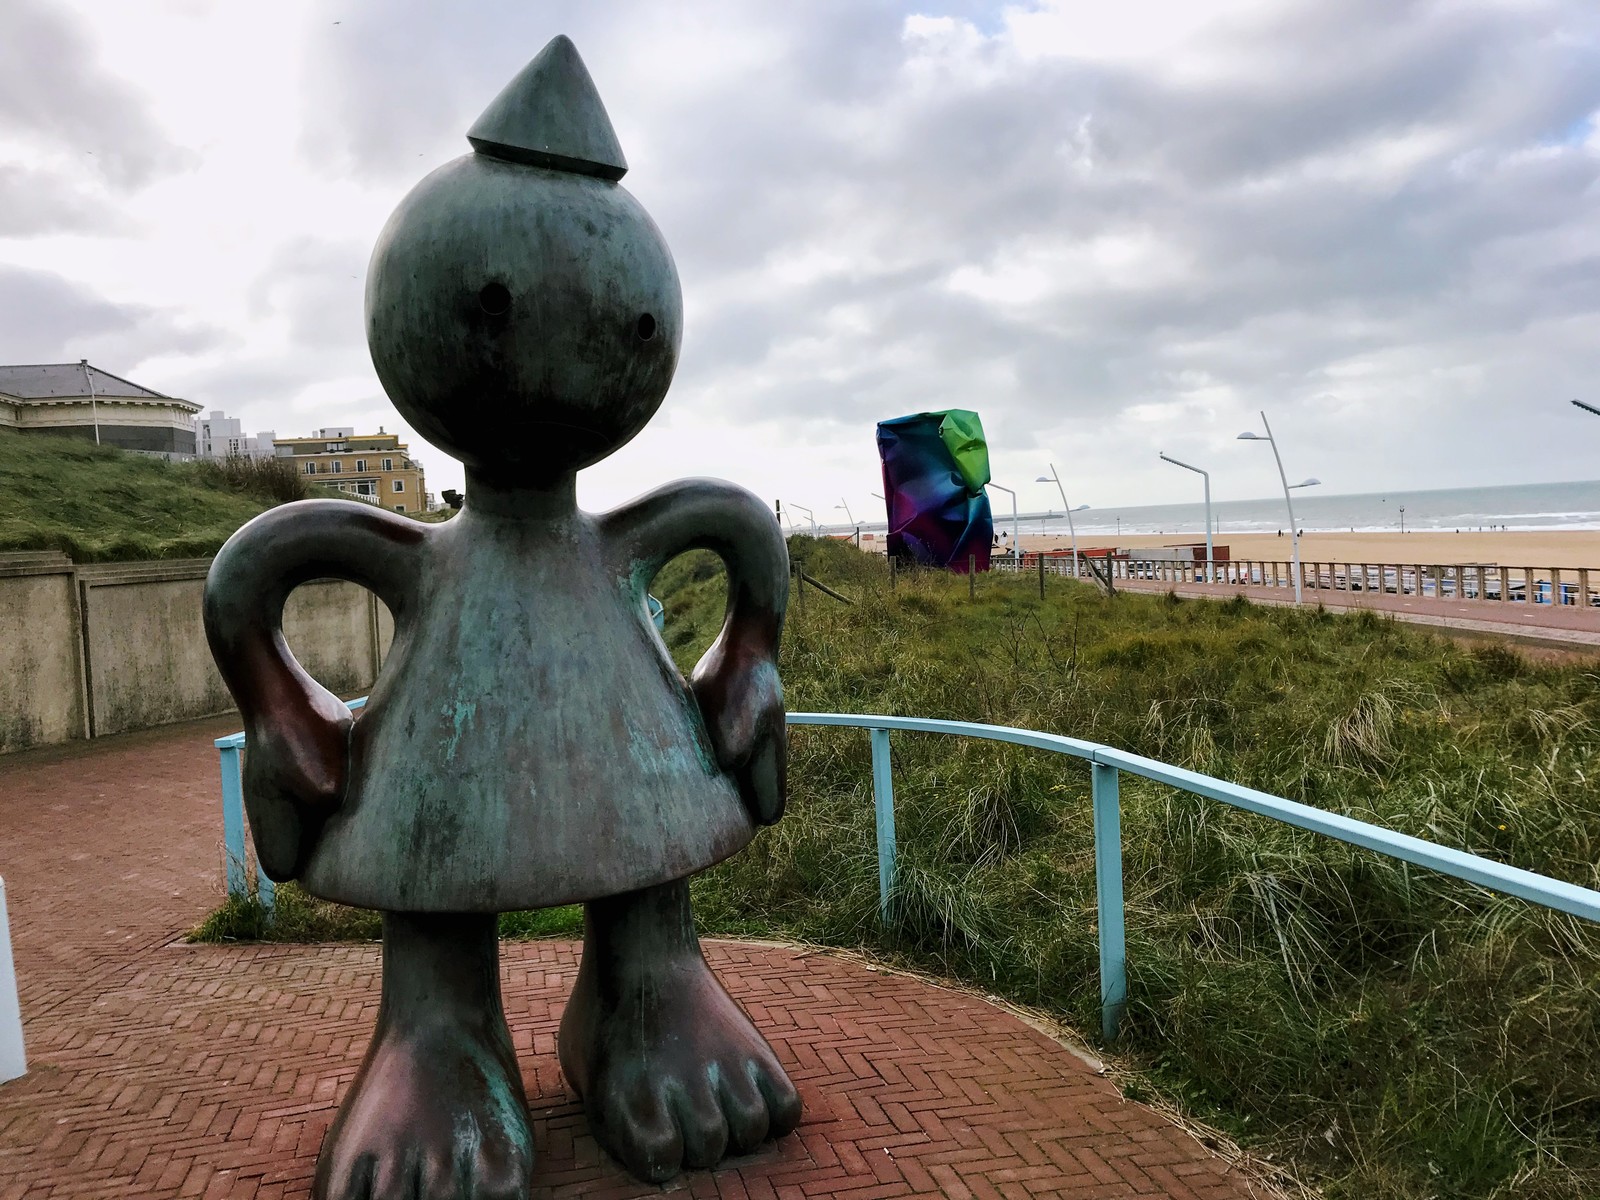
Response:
column 160, row 1069
column 1566, row 626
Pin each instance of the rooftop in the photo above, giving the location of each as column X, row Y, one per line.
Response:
column 60, row 381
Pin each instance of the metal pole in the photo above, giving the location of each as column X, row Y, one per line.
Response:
column 1108, row 896
column 13, row 1058
column 1071, row 528
column 94, row 407
column 883, row 808
column 1016, row 525
column 233, row 822
column 1294, row 530
column 1211, row 569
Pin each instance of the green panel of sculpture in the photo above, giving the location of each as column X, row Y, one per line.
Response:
column 529, row 741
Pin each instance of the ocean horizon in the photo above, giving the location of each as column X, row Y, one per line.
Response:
column 1524, row 506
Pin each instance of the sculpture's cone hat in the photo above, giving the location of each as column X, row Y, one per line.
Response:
column 550, row 115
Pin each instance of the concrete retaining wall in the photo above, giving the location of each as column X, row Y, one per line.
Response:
column 87, row 651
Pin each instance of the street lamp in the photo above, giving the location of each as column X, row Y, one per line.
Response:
column 810, row 516
column 1402, row 518
column 844, row 504
column 1211, row 569
column 1016, row 527
column 1071, row 528
column 1294, row 530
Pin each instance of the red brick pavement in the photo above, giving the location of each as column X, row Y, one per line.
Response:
column 162, row 1069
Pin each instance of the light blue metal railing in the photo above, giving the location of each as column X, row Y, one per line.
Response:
column 1105, row 766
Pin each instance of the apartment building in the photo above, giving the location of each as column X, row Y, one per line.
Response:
column 377, row 467
column 219, row 436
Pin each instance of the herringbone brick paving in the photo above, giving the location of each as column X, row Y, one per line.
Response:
column 163, row 1069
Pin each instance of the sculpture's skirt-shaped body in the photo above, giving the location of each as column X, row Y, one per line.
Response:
column 530, row 742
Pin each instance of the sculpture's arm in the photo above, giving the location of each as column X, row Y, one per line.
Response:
column 736, row 682
column 297, row 732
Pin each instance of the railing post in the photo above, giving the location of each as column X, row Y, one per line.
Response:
column 266, row 892
column 233, row 821
column 13, row 1059
column 883, row 806
column 1108, row 893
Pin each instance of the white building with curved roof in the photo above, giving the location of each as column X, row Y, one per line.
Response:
column 79, row 400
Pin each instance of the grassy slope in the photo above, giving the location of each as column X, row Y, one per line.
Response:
column 100, row 504
column 1394, row 1033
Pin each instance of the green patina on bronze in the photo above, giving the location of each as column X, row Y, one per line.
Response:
column 529, row 741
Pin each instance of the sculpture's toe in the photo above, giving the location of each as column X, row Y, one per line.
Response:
column 429, row 1119
column 683, row 1093
column 637, row 1128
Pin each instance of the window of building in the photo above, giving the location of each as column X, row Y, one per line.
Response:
column 338, row 466
column 388, row 464
column 361, row 464
column 399, row 485
column 366, row 488
column 311, row 468
column 399, row 508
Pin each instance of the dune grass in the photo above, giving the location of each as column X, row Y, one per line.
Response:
column 1391, row 1032
column 1386, row 1031
column 100, row 504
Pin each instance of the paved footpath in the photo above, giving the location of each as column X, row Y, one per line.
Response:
column 162, row 1069
column 1565, row 626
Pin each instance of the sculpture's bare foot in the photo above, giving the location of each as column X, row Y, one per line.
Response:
column 437, row 1111
column 671, row 1071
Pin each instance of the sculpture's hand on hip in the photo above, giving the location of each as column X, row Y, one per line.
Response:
column 296, row 766
column 741, row 701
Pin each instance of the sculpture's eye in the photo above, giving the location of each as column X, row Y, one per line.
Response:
column 495, row 299
column 646, row 328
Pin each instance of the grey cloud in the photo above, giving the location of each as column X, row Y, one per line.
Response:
column 318, row 285
column 36, row 202
column 52, row 319
column 1452, row 276
column 53, row 91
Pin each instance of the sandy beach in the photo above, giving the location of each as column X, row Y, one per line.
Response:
column 1522, row 548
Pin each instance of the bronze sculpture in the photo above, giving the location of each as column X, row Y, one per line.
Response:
column 529, row 741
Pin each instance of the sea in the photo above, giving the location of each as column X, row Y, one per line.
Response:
column 1526, row 506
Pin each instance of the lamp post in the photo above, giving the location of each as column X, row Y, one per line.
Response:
column 1294, row 530
column 809, row 516
column 1071, row 528
column 94, row 405
column 845, row 504
column 1016, row 527
column 1211, row 569
column 1402, row 518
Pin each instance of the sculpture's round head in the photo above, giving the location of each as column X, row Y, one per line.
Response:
column 522, row 309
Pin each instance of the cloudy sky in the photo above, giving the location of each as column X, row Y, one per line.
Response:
column 1112, row 229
